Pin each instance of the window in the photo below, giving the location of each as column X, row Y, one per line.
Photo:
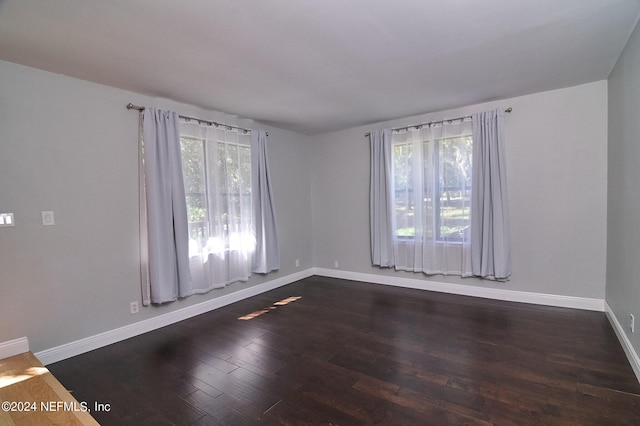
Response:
column 432, row 186
column 217, row 180
column 423, row 186
column 197, row 214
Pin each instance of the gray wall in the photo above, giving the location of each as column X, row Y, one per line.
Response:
column 557, row 172
column 623, row 242
column 71, row 146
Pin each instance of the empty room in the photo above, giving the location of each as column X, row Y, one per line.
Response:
column 326, row 213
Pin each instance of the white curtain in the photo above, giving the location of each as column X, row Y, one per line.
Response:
column 267, row 255
column 381, row 188
column 164, row 228
column 217, row 167
column 432, row 181
column 491, row 253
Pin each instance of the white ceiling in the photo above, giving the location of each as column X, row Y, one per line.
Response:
column 315, row 66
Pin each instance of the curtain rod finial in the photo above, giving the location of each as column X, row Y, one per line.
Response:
column 132, row 106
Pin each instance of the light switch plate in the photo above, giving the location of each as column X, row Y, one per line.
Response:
column 6, row 219
column 48, row 218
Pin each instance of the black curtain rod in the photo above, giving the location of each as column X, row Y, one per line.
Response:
column 199, row 120
column 448, row 120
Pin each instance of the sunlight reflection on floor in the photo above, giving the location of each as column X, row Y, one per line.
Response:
column 12, row 377
column 282, row 302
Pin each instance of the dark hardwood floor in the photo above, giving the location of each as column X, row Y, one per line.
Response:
column 350, row 353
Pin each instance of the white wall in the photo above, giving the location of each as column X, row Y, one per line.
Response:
column 557, row 181
column 623, row 244
column 71, row 146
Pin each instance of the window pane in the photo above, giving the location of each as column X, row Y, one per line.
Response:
column 235, row 184
column 403, row 186
column 244, row 172
column 454, row 188
column 193, row 170
column 429, row 187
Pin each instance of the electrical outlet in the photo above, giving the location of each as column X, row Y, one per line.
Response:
column 632, row 324
column 336, row 264
column 134, row 307
column 297, row 263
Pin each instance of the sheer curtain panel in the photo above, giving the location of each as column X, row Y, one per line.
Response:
column 267, row 255
column 491, row 252
column 167, row 239
column 431, row 198
column 381, row 188
column 217, row 171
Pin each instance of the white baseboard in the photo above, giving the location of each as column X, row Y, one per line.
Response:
column 631, row 353
column 14, row 347
column 90, row 343
column 467, row 290
column 87, row 344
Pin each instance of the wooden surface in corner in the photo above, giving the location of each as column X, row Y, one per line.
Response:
column 31, row 395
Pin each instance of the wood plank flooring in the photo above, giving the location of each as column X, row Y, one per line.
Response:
column 350, row 353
